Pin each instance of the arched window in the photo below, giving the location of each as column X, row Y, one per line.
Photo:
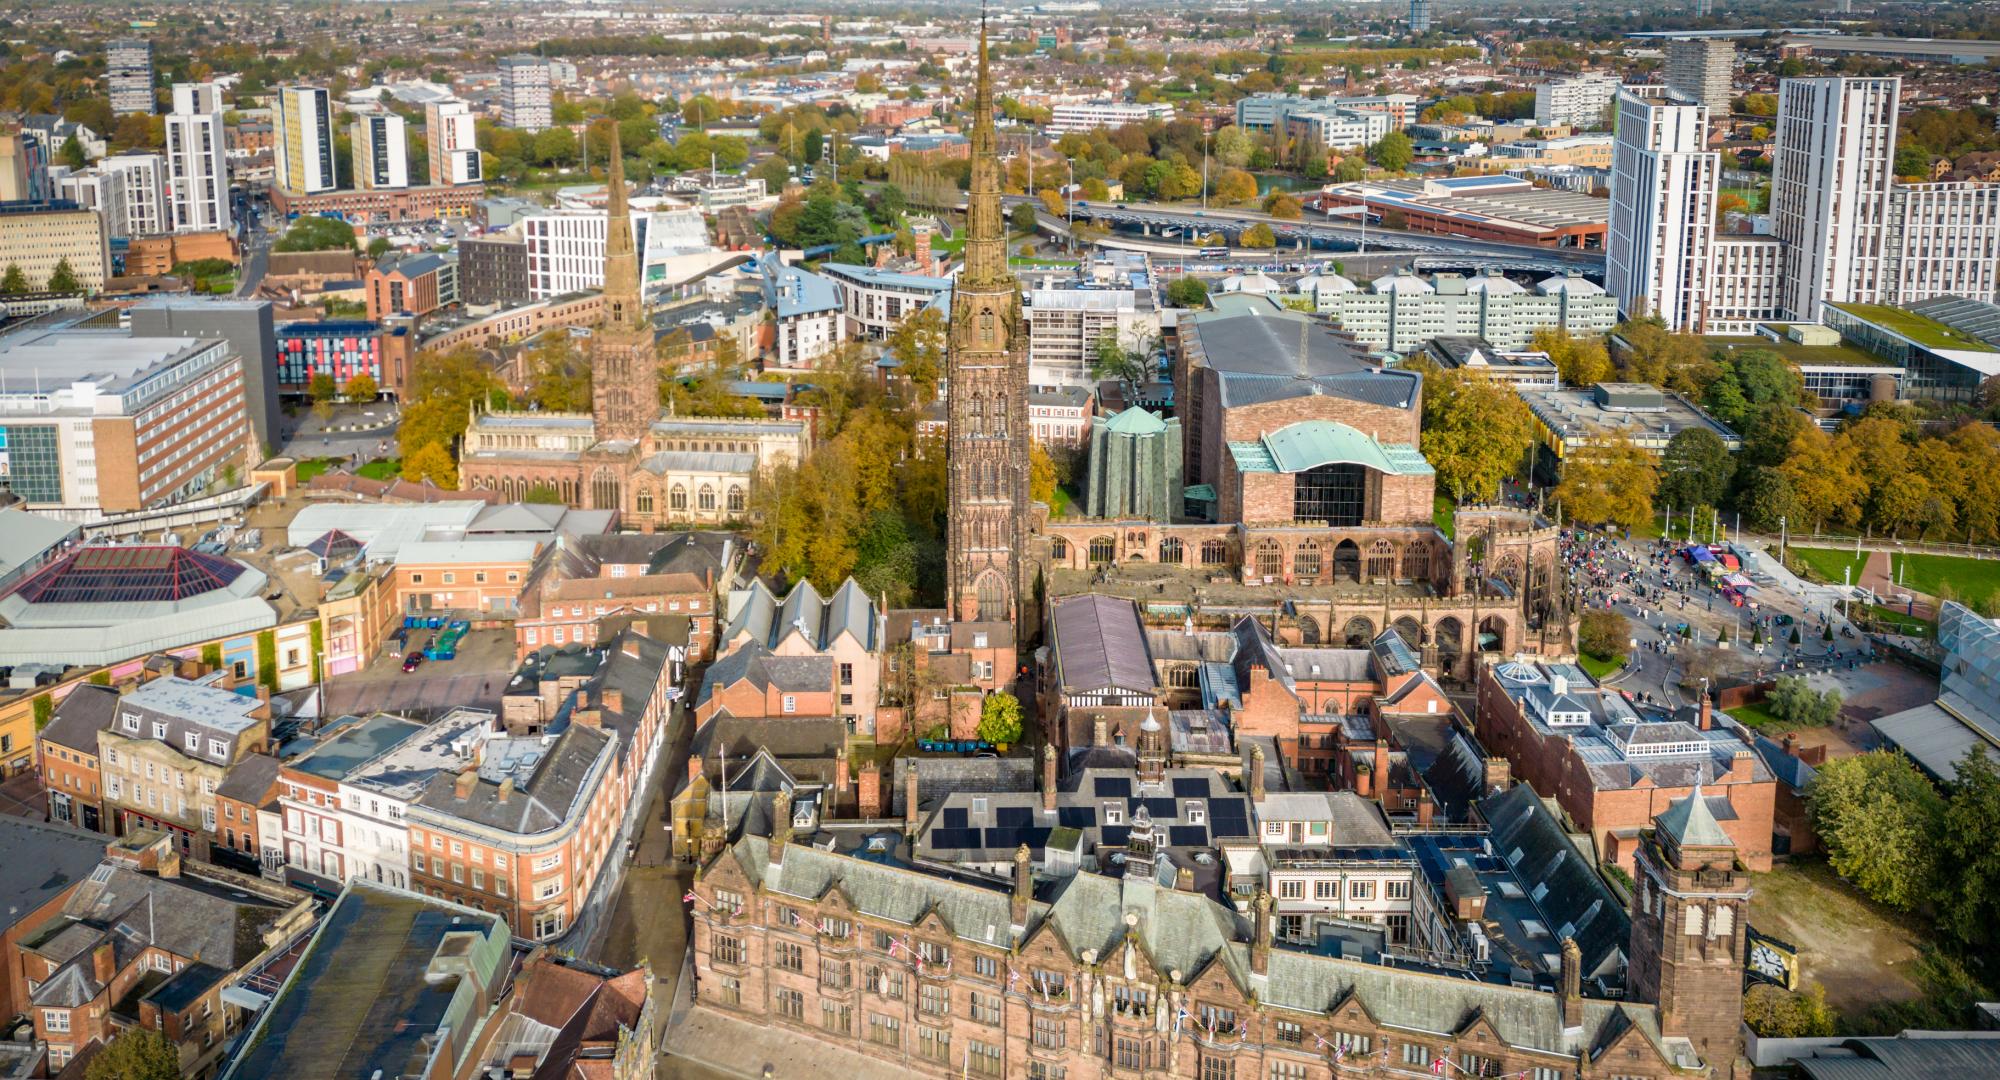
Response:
column 1214, row 552
column 992, row 597
column 735, row 499
column 1102, row 550
column 677, row 499
column 1058, row 548
column 1170, row 550
column 643, row 503
column 1306, row 560
column 705, row 498
column 1270, row 558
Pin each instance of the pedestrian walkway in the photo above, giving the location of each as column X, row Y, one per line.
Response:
column 736, row 1047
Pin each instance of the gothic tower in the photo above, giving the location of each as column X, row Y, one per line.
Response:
column 986, row 372
column 623, row 372
column 1687, row 930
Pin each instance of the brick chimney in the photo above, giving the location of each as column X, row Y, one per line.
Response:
column 910, row 801
column 1024, row 888
column 868, row 792
column 1499, row 774
column 1425, row 808
column 781, row 826
column 1260, row 943
column 462, row 788
column 1791, row 743
column 694, row 767
column 1256, row 784
column 103, row 963
column 1049, row 778
column 611, row 700
column 1571, row 990
column 1100, row 732
column 842, row 780
column 1707, row 703
column 506, row 790
column 882, row 253
column 920, row 243
column 1378, row 775
column 1742, row 766
column 630, row 646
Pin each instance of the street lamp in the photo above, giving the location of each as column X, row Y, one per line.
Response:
column 1069, row 204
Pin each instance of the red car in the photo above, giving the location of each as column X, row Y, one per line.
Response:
column 412, row 662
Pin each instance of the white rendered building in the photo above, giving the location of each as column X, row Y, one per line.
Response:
column 197, row 160
column 381, row 152
column 1664, row 184
column 1577, row 102
column 1830, row 184
column 452, row 142
column 525, row 99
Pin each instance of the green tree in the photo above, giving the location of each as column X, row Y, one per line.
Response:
column 315, row 233
column 1232, row 147
column 1258, row 236
column 1350, row 170
column 1695, row 469
column 63, row 279
column 544, row 494
column 1969, row 850
column 138, row 1054
column 378, row 247
column 1235, row 186
column 1580, row 361
column 1603, row 634
column 918, row 343
column 1879, row 820
column 322, row 388
column 1676, row 361
column 1608, row 480
column 72, row 153
column 1188, row 292
column 558, row 378
column 1794, row 701
column 1000, row 718
column 15, row 282
column 1475, row 431
column 1774, row 1012
column 1282, row 206
column 1392, row 152
column 1022, row 217
column 1110, row 359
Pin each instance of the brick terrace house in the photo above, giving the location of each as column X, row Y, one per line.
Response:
column 846, row 629
column 67, row 750
column 149, row 942
column 483, row 575
column 1093, row 976
column 526, row 830
column 1612, row 768
column 578, row 582
column 751, row 682
column 45, row 864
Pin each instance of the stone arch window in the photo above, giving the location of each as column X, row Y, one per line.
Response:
column 643, row 502
column 736, row 501
column 1270, row 558
column 1381, row 559
column 1171, row 550
column 1308, row 630
column 1417, row 561
column 1214, row 552
column 1058, row 548
column 677, row 499
column 1347, row 560
column 992, row 595
column 1306, row 560
column 705, row 498
column 1359, row 632
column 1411, row 633
column 1103, row 549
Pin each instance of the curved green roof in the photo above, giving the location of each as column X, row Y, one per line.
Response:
column 1309, row 444
column 1135, row 421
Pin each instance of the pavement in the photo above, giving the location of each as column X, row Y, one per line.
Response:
column 476, row 678
column 705, row 1044
column 364, row 432
column 22, row 795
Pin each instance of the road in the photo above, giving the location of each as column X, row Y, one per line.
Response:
column 1322, row 232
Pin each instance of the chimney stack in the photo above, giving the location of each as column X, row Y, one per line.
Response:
column 506, row 790
column 1260, row 946
column 1049, row 778
column 1378, row 773
column 1183, row 879
column 1571, row 990
column 1024, row 888
column 1742, row 766
column 841, row 777
column 1100, row 733
column 781, row 826
column 1256, row 772
column 1425, row 808
column 1707, row 700
column 1499, row 774
column 468, row 779
column 611, row 700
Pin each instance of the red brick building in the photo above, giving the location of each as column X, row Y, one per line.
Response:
column 402, row 204
column 410, row 286
column 1612, row 768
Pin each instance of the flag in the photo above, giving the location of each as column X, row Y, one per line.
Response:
column 1013, row 976
column 1437, row 1067
column 1243, row 1033
column 1179, row 1016
column 1339, row 1054
column 690, row 897
column 1319, row 1041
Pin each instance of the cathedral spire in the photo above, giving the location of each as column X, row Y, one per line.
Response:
column 986, row 237
column 622, row 307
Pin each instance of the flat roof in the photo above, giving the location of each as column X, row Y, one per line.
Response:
column 356, row 744
column 1920, row 329
column 209, row 706
column 53, row 358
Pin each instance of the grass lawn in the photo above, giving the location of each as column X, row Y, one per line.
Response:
column 1751, row 197
column 1895, row 620
column 1828, row 564
column 1860, row 951
column 1061, row 505
column 1758, row 717
column 1442, row 509
column 1969, row 580
column 1917, row 328
column 1599, row 669
column 380, row 469
column 312, row 467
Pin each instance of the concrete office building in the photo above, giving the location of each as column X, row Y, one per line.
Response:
column 1830, row 185
column 1577, row 102
column 246, row 326
column 1091, row 115
column 128, row 72
column 381, row 153
column 303, row 139
column 1337, row 127
column 525, row 101
column 493, row 270
column 453, row 143
column 1663, row 190
column 105, row 421
column 1743, row 282
column 197, row 161
column 1399, row 312
column 1699, row 69
column 94, row 190
column 1941, row 240
column 39, row 236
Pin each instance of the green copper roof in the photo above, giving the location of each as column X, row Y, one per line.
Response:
column 1690, row 822
column 1308, row 444
column 1135, row 421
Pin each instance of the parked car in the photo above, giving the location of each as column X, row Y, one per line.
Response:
column 412, row 662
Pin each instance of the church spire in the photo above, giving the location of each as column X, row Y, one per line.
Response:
column 622, row 307
column 986, row 237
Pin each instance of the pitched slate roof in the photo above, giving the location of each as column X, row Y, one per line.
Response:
column 755, row 664
column 760, row 617
column 1576, row 903
column 1100, row 643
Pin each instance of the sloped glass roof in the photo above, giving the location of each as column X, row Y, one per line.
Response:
column 128, row 574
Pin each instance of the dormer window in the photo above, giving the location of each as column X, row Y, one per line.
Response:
column 1196, row 813
column 1114, row 814
column 159, row 730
